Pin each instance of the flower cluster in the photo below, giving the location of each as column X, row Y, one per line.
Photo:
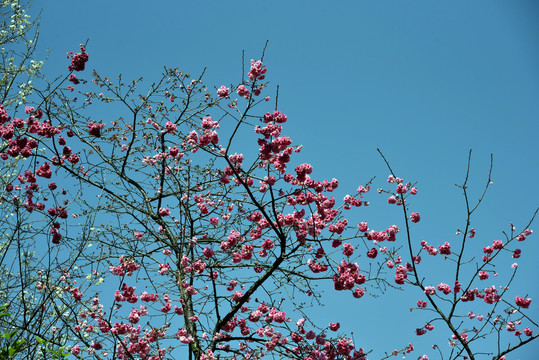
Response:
column 78, row 60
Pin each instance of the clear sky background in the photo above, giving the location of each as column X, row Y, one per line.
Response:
column 424, row 81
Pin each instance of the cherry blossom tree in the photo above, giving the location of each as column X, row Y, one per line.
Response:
column 168, row 229
column 18, row 39
column 21, row 312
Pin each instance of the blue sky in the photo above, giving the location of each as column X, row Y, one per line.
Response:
column 424, row 81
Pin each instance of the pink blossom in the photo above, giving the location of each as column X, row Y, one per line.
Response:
column 363, row 226
column 443, row 288
column 134, row 316
column 75, row 350
column 174, row 151
column 95, row 128
column 166, row 308
column 463, row 336
column 268, row 244
column 186, row 339
column 401, row 189
column 334, row 326
column 497, row 244
column 297, row 338
column 77, row 295
column 74, row 158
column 348, row 250
column 207, row 252
column 257, row 70
column 148, row 297
column 79, row 60
column 164, row 212
column 302, row 171
column 243, row 92
column 522, row 302
column 223, row 91
column 277, row 316
column 163, row 268
column 510, row 326
column 44, row 170
column 237, row 296
column 429, row 290
column 126, row 267
column 170, row 127
column 344, row 346
column 358, row 293
column 74, row 79
column 415, row 217
column 488, row 250
column 445, row 249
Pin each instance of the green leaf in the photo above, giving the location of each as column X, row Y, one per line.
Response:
column 12, row 351
column 8, row 335
column 20, row 343
column 58, row 354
